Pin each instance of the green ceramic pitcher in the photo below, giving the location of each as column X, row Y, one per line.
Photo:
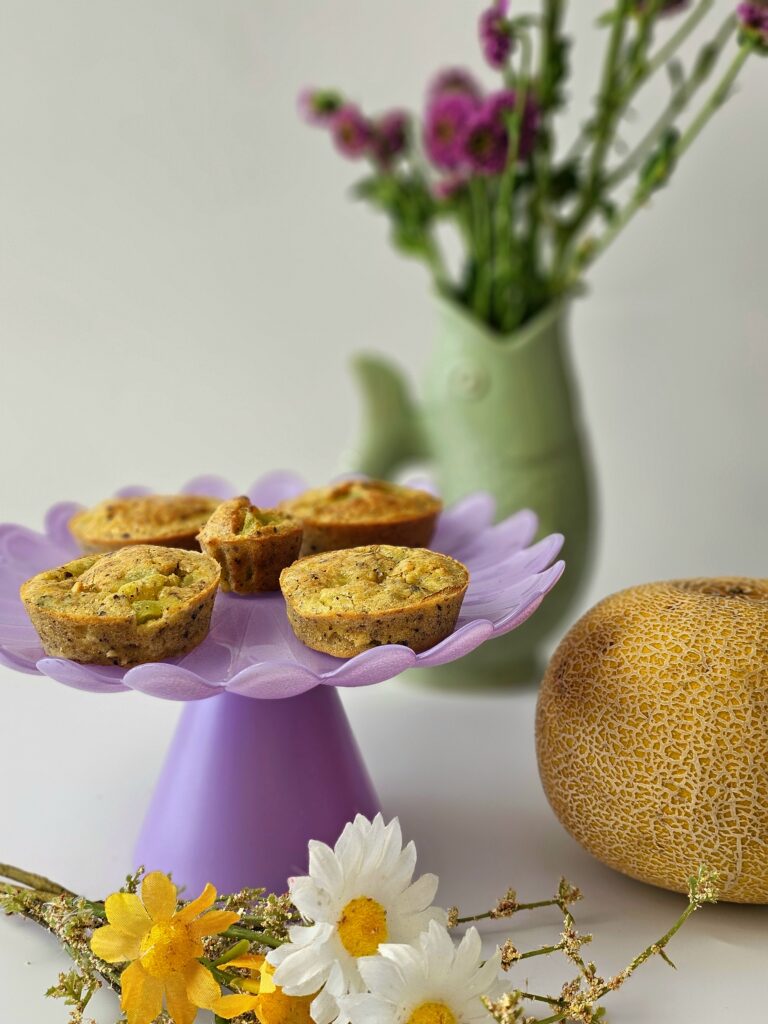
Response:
column 498, row 413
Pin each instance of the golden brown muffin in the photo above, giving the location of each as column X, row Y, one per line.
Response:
column 345, row 602
column 252, row 545
column 141, row 603
column 359, row 512
column 172, row 520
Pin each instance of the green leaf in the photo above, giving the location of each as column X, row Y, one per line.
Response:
column 659, row 166
column 676, row 73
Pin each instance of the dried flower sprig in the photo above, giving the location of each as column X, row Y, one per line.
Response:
column 534, row 215
column 243, row 943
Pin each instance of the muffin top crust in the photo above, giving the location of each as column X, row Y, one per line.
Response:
column 142, row 518
column 238, row 518
column 143, row 582
column 372, row 579
column 362, row 501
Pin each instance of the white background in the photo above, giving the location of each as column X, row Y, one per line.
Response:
column 182, row 281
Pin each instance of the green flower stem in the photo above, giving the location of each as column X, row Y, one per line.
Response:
column 483, row 247
column 507, row 253
column 263, row 938
column 33, row 881
column 223, row 977
column 607, row 101
column 550, row 41
column 551, row 1000
column 536, row 905
column 541, row 951
column 239, row 948
column 679, row 101
column 654, row 949
column 645, row 189
column 719, row 96
column 675, row 41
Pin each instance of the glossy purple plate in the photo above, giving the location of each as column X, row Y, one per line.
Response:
column 251, row 649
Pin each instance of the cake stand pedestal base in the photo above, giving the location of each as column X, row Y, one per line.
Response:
column 246, row 783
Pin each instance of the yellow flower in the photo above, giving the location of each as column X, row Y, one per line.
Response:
column 270, row 1004
column 164, row 947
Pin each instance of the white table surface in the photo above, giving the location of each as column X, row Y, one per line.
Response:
column 460, row 772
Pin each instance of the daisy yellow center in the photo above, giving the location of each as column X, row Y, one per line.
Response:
column 167, row 947
column 432, row 1013
column 362, row 926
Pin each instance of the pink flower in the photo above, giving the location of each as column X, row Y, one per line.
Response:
column 503, row 103
column 352, row 132
column 486, row 145
column 390, row 137
column 455, row 80
column 753, row 18
column 445, row 128
column 317, row 106
column 497, row 37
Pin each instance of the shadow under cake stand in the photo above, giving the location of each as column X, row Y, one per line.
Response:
column 263, row 758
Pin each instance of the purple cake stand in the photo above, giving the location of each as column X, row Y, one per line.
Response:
column 271, row 762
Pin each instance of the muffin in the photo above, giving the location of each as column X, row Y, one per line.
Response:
column 252, row 545
column 359, row 512
column 173, row 520
column 141, row 603
column 345, row 602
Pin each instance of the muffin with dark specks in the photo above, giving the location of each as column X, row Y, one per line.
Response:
column 346, row 602
column 359, row 512
column 252, row 545
column 141, row 603
column 172, row 520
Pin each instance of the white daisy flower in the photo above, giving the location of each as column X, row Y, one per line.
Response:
column 433, row 982
column 356, row 896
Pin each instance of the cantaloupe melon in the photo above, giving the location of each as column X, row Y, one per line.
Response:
column 652, row 733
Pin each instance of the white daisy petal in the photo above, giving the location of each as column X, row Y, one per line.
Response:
column 487, row 977
column 323, row 1009
column 312, row 901
column 402, row 872
column 381, row 975
column 469, row 950
column 418, row 896
column 367, row 1009
column 323, row 866
column 301, row 967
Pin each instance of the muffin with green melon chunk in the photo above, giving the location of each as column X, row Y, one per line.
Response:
column 140, row 603
column 172, row 520
column 252, row 545
column 349, row 601
column 359, row 512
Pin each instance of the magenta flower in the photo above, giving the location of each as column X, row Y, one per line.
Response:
column 352, row 132
column 497, row 37
column 390, row 137
column 503, row 103
column 485, row 143
column 445, row 128
column 317, row 106
column 486, row 146
column 455, row 80
column 753, row 18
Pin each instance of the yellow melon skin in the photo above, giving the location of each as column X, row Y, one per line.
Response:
column 652, row 733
